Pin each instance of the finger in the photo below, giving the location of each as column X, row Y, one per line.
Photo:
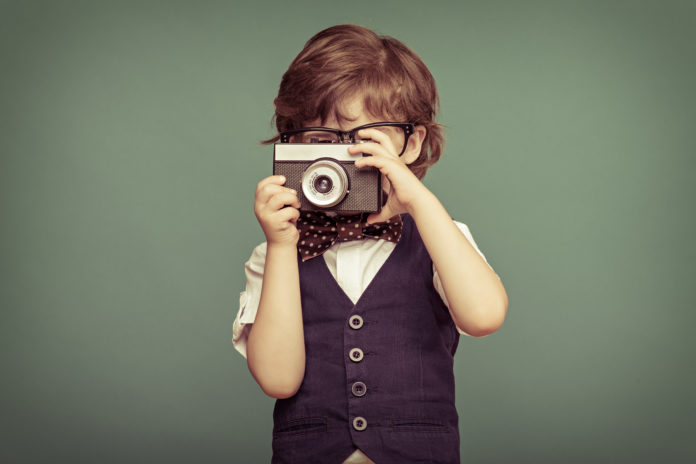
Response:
column 264, row 194
column 275, row 179
column 281, row 199
column 379, row 162
column 382, row 216
column 287, row 215
column 371, row 148
column 379, row 137
column 270, row 180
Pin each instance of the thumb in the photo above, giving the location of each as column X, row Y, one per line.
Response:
column 386, row 213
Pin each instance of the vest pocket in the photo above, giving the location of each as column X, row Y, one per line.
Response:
column 302, row 426
column 418, row 424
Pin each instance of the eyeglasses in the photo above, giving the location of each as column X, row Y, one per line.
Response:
column 395, row 130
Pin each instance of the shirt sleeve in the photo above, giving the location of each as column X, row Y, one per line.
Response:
column 436, row 278
column 249, row 298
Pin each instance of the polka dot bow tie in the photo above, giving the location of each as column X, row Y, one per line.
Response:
column 318, row 231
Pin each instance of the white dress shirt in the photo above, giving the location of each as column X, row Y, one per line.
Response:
column 353, row 264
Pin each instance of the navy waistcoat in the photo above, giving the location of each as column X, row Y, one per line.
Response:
column 379, row 374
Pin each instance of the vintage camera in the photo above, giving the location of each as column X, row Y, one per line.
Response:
column 326, row 179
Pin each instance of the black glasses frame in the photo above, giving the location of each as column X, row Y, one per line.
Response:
column 349, row 136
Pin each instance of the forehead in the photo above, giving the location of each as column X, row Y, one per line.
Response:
column 349, row 113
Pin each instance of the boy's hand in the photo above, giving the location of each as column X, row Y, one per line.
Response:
column 405, row 187
column 277, row 209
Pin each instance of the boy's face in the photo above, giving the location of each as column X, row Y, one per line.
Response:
column 357, row 116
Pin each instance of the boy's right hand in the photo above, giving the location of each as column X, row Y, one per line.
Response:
column 277, row 209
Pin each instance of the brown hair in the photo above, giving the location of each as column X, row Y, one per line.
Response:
column 345, row 61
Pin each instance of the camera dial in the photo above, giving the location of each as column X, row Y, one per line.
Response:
column 325, row 183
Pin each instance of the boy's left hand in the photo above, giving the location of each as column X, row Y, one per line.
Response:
column 405, row 187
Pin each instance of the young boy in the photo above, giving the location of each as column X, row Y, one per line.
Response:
column 355, row 336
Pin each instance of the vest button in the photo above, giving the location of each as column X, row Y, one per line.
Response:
column 356, row 322
column 356, row 355
column 359, row 423
column 359, row 389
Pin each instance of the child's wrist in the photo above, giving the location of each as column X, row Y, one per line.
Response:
column 422, row 201
column 282, row 247
column 281, row 252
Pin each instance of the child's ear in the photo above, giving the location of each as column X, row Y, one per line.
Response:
column 415, row 142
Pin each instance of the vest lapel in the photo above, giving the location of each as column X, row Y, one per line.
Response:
column 326, row 274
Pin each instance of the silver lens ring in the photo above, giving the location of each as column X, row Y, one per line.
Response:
column 324, row 183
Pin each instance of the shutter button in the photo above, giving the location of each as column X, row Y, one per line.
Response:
column 356, row 322
column 359, row 423
column 356, row 355
column 359, row 389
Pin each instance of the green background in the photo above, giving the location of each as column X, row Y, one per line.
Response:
column 129, row 155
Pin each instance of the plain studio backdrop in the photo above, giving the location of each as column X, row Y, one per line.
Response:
column 129, row 143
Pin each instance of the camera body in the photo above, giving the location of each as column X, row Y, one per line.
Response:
column 326, row 179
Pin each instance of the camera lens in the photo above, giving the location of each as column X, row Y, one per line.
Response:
column 323, row 184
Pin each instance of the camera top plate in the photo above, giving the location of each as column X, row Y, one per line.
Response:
column 312, row 151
